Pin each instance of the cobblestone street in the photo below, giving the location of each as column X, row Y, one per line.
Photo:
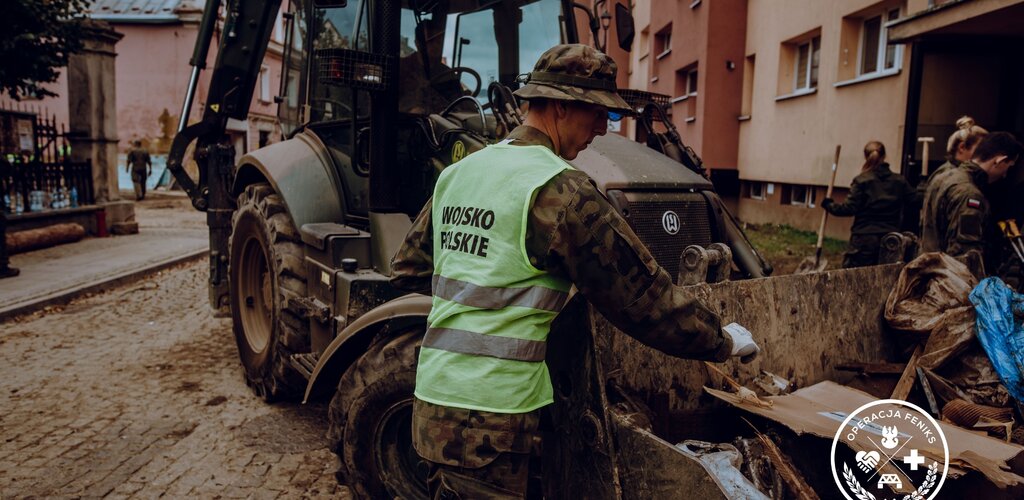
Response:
column 138, row 392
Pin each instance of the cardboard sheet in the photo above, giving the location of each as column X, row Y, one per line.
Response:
column 821, row 408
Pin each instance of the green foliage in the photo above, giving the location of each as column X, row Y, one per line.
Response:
column 784, row 247
column 776, row 238
column 37, row 38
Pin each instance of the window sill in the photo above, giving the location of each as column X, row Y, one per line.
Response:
column 868, row 77
column 663, row 54
column 743, row 118
column 691, row 119
column 681, row 98
column 798, row 93
column 694, row 4
column 654, row 79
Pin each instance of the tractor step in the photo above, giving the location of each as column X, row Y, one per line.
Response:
column 304, row 363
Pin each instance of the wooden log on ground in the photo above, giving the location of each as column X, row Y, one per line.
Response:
column 34, row 239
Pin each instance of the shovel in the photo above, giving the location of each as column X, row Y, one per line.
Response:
column 817, row 264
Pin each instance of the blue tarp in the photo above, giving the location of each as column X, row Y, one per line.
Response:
column 1001, row 332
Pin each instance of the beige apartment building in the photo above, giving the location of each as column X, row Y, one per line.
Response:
column 764, row 90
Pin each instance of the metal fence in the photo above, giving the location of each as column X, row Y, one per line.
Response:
column 36, row 170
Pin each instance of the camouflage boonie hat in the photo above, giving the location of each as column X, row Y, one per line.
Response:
column 574, row 72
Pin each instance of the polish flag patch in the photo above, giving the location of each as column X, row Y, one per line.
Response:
column 971, row 202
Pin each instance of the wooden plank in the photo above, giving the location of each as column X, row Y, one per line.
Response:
column 906, row 382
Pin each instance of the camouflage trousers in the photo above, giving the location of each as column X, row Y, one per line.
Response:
column 474, row 454
column 139, row 181
column 862, row 250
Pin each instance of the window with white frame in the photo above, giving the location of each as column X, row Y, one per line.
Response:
column 757, row 190
column 806, row 67
column 801, row 196
column 876, row 55
column 265, row 84
column 686, row 91
column 663, row 42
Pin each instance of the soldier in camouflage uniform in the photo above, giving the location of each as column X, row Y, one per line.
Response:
column 876, row 202
column 140, row 167
column 956, row 213
column 574, row 234
column 959, row 148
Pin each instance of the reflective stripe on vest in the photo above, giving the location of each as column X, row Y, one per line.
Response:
column 480, row 344
column 492, row 309
column 487, row 297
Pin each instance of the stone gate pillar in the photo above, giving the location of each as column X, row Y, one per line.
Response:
column 92, row 117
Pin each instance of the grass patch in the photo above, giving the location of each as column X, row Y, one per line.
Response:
column 784, row 246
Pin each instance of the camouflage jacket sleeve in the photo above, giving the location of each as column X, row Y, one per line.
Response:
column 413, row 266
column 574, row 232
column 853, row 204
column 967, row 213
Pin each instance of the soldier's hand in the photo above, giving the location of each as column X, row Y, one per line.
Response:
column 827, row 202
column 743, row 345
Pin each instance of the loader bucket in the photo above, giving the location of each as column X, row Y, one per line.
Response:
column 621, row 408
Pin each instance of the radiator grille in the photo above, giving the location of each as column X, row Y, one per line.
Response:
column 645, row 217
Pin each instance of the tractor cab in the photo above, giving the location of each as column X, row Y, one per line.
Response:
column 450, row 57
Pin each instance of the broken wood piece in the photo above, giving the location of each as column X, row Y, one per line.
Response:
column 906, row 382
column 796, row 483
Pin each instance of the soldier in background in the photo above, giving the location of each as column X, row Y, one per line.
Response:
column 509, row 230
column 959, row 148
column 139, row 166
column 6, row 174
column 956, row 213
column 876, row 201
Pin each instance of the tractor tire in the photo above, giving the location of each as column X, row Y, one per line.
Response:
column 265, row 272
column 370, row 421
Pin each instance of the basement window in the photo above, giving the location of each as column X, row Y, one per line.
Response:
column 757, row 190
column 798, row 195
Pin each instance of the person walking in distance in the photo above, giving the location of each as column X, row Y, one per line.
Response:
column 876, row 202
column 509, row 230
column 140, row 167
column 6, row 175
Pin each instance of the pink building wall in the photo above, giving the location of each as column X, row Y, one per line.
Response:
column 152, row 73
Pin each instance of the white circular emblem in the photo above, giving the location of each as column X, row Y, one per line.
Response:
column 891, row 444
column 670, row 221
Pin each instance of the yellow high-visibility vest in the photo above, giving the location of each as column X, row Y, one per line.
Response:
column 492, row 310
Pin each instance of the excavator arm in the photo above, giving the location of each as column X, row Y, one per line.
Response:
column 243, row 37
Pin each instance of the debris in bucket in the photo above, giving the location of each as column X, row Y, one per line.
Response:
column 742, row 392
column 723, row 461
column 772, row 384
